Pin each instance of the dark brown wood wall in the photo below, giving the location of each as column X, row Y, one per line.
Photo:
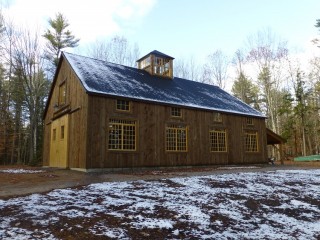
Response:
column 152, row 120
column 88, row 132
column 76, row 107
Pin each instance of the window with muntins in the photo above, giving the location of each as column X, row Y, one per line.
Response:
column 145, row 62
column 122, row 135
column 218, row 140
column 249, row 121
column 176, row 112
column 176, row 138
column 161, row 66
column 123, row 105
column 62, row 93
column 217, row 117
column 251, row 142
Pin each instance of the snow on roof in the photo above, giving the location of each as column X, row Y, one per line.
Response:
column 111, row 79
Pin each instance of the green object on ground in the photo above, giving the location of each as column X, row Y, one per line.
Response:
column 308, row 158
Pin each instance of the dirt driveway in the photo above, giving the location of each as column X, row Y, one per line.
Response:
column 38, row 180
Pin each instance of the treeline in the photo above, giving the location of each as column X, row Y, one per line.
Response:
column 26, row 72
column 263, row 74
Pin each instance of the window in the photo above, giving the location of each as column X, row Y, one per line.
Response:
column 161, row 66
column 217, row 117
column 62, row 93
column 54, row 134
column 251, row 142
column 122, row 135
column 145, row 63
column 62, row 132
column 249, row 121
column 218, row 141
column 176, row 138
column 176, row 112
column 123, row 105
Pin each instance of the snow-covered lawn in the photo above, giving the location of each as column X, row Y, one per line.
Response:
column 19, row 171
column 257, row 205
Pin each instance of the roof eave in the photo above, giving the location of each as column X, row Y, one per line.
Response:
column 52, row 85
column 173, row 104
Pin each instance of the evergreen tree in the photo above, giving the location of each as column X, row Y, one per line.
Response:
column 301, row 109
column 58, row 38
column 244, row 89
column 317, row 25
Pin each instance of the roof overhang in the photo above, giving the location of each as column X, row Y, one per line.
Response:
column 52, row 85
column 157, row 53
column 273, row 138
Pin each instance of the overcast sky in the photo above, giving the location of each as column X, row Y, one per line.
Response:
column 179, row 28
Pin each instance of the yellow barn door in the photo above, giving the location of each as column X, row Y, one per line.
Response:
column 59, row 143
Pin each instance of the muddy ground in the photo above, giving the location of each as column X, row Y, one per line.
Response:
column 250, row 202
column 19, row 184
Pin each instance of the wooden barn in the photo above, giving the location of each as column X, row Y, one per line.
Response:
column 104, row 115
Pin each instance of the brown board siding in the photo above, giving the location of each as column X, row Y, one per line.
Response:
column 151, row 122
column 46, row 143
column 76, row 107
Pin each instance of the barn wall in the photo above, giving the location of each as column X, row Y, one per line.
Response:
column 76, row 108
column 46, row 142
column 152, row 120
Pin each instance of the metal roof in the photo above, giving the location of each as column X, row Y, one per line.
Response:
column 109, row 79
column 156, row 53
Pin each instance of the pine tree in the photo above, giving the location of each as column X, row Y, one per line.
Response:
column 317, row 25
column 244, row 89
column 301, row 109
column 58, row 38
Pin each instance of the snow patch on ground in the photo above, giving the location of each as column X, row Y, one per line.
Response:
column 19, row 171
column 231, row 168
column 253, row 205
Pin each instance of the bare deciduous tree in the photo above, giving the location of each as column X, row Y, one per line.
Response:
column 116, row 50
column 268, row 54
column 187, row 68
column 23, row 58
column 216, row 69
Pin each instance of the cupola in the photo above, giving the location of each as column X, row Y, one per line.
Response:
column 157, row 63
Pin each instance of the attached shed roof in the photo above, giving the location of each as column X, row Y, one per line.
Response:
column 109, row 79
column 273, row 138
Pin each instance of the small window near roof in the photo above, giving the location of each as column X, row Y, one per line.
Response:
column 123, row 105
column 176, row 112
column 249, row 121
column 217, row 117
column 145, row 63
column 62, row 93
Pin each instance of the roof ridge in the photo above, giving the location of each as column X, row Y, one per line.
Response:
column 107, row 78
column 97, row 59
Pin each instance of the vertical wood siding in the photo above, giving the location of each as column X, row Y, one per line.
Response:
column 88, row 132
column 151, row 122
column 76, row 101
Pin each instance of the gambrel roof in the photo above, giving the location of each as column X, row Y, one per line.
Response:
column 114, row 80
